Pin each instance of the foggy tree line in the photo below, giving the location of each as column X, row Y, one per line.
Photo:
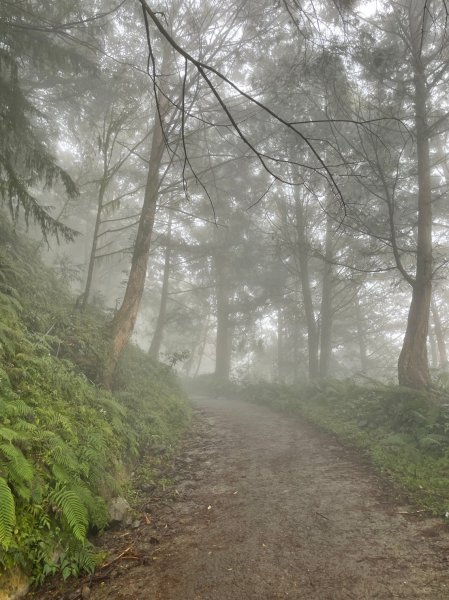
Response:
column 258, row 188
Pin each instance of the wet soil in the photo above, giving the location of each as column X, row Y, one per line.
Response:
column 264, row 507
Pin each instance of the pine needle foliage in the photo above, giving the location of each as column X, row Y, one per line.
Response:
column 29, row 49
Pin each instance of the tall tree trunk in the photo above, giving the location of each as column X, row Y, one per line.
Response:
column 156, row 342
column 438, row 330
column 280, row 347
column 122, row 324
column 413, row 367
column 303, row 257
column 223, row 342
column 433, row 349
column 93, row 251
column 326, row 305
column 202, row 347
column 361, row 332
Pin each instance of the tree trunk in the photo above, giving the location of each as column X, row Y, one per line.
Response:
column 438, row 330
column 93, row 251
column 280, row 347
column 361, row 332
column 223, row 343
column 326, row 305
column 433, row 349
column 312, row 328
column 202, row 347
column 413, row 368
column 122, row 324
column 156, row 342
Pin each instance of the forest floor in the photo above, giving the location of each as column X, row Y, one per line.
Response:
column 265, row 507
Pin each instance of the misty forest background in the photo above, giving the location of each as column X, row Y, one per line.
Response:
column 254, row 190
column 298, row 184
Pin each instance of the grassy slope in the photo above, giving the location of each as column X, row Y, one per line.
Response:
column 65, row 444
column 405, row 433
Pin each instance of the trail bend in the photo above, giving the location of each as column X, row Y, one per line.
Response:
column 271, row 508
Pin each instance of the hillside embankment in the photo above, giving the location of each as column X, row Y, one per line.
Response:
column 67, row 447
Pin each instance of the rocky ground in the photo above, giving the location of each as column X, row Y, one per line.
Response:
column 263, row 507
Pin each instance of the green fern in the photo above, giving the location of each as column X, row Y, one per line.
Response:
column 61, row 475
column 95, row 505
column 7, row 513
column 20, row 469
column 17, row 407
column 61, row 454
column 8, row 434
column 73, row 510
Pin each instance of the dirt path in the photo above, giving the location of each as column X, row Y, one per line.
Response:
column 269, row 508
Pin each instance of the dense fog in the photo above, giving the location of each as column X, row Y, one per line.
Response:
column 293, row 158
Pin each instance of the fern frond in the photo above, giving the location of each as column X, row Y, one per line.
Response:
column 95, row 505
column 8, row 434
column 60, row 421
column 20, row 468
column 17, row 407
column 7, row 513
column 60, row 474
column 73, row 510
column 61, row 454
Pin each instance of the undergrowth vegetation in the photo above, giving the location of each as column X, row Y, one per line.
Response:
column 66, row 445
column 404, row 432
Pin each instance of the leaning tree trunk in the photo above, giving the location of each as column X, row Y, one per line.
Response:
column 122, row 324
column 413, row 367
column 156, row 342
